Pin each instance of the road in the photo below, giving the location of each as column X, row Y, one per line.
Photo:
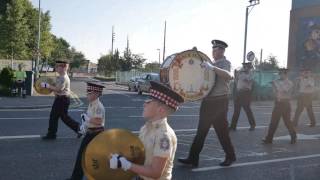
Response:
column 24, row 156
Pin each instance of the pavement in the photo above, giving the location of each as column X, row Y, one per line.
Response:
column 24, row 156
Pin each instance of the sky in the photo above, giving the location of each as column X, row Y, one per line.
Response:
column 87, row 26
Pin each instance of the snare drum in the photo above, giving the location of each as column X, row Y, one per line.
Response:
column 185, row 75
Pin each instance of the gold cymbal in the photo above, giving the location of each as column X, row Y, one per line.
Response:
column 39, row 89
column 95, row 158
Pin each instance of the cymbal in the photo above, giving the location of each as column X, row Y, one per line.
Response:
column 95, row 158
column 41, row 90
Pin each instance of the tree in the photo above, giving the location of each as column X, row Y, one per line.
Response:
column 61, row 50
column 19, row 30
column 105, row 65
column 46, row 38
column 78, row 59
column 154, row 66
column 15, row 30
column 269, row 64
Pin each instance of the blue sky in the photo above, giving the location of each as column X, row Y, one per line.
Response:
column 87, row 25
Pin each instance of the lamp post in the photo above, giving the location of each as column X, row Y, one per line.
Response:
column 159, row 55
column 38, row 42
column 252, row 4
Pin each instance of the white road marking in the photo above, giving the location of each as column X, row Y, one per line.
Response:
column 19, row 137
column 300, row 137
column 135, row 132
column 256, row 163
column 25, row 118
column 190, row 115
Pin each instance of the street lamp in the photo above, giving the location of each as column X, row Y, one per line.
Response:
column 252, row 4
column 38, row 45
column 159, row 56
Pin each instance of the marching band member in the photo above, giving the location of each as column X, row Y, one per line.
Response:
column 61, row 102
column 244, row 83
column 158, row 138
column 305, row 85
column 282, row 88
column 217, row 99
column 92, row 124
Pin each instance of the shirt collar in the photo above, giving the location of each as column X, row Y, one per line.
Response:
column 157, row 123
column 221, row 59
column 94, row 102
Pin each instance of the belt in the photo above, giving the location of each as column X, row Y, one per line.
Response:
column 95, row 129
column 244, row 90
column 61, row 96
column 282, row 100
column 138, row 178
column 225, row 96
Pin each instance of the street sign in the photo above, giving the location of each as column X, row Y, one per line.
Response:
column 250, row 56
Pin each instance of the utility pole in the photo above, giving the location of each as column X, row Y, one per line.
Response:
column 252, row 4
column 159, row 56
column 112, row 41
column 261, row 55
column 127, row 43
column 164, row 41
column 38, row 46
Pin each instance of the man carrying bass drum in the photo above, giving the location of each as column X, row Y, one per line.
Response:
column 214, row 109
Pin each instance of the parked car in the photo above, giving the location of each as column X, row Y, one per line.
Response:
column 144, row 82
column 133, row 83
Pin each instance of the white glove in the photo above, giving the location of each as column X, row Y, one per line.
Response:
column 84, row 124
column 125, row 164
column 44, row 85
column 207, row 65
column 83, row 129
column 116, row 161
column 84, row 117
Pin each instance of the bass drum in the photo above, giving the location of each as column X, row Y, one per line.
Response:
column 185, row 75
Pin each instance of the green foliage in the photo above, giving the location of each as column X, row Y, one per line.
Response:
column 6, row 80
column 152, row 67
column 77, row 60
column 270, row 64
column 106, row 65
column 19, row 35
column 15, row 30
column 109, row 64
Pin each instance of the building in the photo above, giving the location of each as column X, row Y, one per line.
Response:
column 304, row 36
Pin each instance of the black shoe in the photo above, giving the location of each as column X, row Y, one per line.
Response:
column 252, row 128
column 312, row 124
column 266, row 141
column 232, row 128
column 49, row 137
column 228, row 161
column 79, row 135
column 188, row 162
column 293, row 139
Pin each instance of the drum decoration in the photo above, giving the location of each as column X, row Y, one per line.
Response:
column 95, row 159
column 185, row 75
